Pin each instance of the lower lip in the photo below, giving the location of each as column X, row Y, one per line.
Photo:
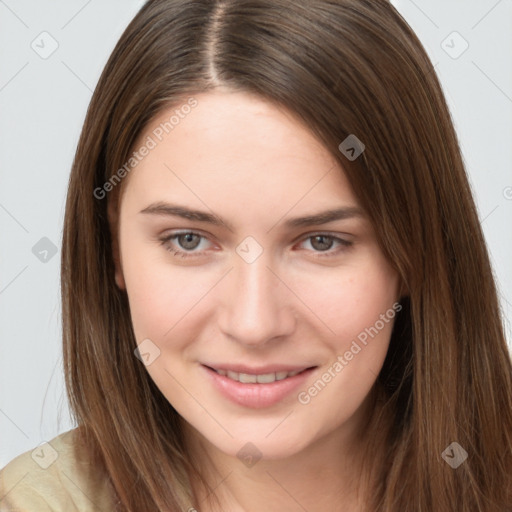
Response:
column 257, row 395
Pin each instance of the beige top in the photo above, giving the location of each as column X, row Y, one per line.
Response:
column 51, row 479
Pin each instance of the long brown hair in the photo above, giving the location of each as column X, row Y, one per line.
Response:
column 344, row 67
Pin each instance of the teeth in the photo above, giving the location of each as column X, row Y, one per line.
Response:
column 247, row 379
column 265, row 378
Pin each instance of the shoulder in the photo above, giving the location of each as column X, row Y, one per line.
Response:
column 52, row 478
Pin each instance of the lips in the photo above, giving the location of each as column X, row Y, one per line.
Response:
column 252, row 393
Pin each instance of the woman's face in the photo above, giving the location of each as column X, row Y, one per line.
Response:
column 262, row 281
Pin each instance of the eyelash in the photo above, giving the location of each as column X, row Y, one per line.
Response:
column 345, row 244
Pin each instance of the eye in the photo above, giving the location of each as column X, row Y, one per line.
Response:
column 184, row 243
column 322, row 244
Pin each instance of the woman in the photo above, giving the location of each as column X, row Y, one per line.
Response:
column 276, row 292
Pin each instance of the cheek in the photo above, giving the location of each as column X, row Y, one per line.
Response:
column 360, row 308
column 351, row 299
column 358, row 304
column 163, row 297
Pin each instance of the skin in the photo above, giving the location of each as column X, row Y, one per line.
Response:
column 256, row 166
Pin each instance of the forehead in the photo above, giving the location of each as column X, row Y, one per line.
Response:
column 235, row 151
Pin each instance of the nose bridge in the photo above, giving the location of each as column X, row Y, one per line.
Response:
column 257, row 306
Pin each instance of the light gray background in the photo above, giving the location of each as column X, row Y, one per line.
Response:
column 42, row 107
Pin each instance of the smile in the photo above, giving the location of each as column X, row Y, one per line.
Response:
column 264, row 378
column 263, row 387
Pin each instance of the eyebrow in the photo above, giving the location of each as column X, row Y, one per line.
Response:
column 162, row 208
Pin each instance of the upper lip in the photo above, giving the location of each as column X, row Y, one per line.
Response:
column 257, row 370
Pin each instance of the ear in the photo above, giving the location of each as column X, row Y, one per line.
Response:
column 113, row 220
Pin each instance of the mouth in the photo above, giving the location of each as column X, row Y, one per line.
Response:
column 258, row 377
column 259, row 388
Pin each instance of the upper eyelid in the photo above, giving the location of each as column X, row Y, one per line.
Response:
column 310, row 234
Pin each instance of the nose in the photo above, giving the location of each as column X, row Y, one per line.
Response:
column 257, row 306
